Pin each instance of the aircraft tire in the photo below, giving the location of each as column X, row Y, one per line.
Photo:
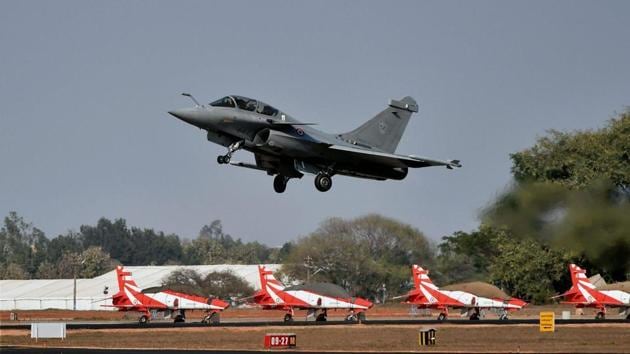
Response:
column 323, row 182
column 220, row 160
column 288, row 318
column 351, row 318
column 321, row 318
column 143, row 320
column 279, row 184
column 474, row 317
column 600, row 316
column 226, row 159
column 441, row 316
column 503, row 317
column 179, row 318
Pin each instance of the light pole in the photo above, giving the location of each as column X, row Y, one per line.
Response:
column 74, row 290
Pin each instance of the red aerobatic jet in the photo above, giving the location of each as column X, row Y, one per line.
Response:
column 584, row 294
column 131, row 298
column 427, row 295
column 313, row 297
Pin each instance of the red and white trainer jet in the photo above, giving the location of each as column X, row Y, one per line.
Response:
column 313, row 297
column 131, row 298
column 584, row 294
column 427, row 295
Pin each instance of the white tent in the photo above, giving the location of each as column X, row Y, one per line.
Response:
column 39, row 294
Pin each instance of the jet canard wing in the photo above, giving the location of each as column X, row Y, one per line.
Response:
column 393, row 160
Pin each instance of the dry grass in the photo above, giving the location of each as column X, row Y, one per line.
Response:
column 479, row 338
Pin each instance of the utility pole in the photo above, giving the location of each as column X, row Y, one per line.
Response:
column 74, row 289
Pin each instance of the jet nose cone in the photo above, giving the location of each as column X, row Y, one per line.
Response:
column 183, row 114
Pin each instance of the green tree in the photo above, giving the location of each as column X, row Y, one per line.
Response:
column 22, row 244
column 527, row 269
column 223, row 285
column 577, row 159
column 360, row 254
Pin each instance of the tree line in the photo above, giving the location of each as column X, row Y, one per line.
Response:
column 569, row 202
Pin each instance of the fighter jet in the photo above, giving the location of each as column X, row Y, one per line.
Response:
column 584, row 294
column 287, row 148
column 316, row 298
column 427, row 295
column 131, row 298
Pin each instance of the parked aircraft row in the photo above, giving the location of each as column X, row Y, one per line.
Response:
column 318, row 298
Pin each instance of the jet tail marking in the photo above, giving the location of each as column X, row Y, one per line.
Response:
column 384, row 130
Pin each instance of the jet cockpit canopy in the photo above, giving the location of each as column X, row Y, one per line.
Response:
column 247, row 104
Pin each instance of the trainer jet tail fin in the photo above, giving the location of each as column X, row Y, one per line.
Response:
column 385, row 129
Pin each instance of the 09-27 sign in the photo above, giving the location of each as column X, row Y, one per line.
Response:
column 280, row 340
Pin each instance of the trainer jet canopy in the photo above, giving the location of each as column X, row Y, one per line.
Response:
column 287, row 148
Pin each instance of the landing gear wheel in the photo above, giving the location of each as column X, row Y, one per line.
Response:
column 503, row 317
column 600, row 316
column 288, row 318
column 179, row 318
column 474, row 317
column 226, row 158
column 352, row 318
column 441, row 316
column 321, row 317
column 280, row 183
column 220, row 159
column 211, row 319
column 323, row 182
column 144, row 319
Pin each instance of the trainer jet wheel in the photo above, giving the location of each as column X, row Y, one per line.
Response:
column 144, row 319
column 321, row 317
column 600, row 316
column 288, row 318
column 441, row 316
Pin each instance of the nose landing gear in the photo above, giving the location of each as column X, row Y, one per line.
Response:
column 225, row 159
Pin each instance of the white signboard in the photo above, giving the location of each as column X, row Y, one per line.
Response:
column 48, row 330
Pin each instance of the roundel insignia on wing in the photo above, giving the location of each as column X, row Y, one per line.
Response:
column 382, row 127
column 299, row 131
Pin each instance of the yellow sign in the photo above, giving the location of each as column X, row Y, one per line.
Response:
column 547, row 322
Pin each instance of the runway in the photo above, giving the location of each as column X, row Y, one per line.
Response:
column 380, row 322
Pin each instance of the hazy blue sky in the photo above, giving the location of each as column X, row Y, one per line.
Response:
column 85, row 86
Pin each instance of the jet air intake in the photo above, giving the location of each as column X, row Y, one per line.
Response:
column 276, row 141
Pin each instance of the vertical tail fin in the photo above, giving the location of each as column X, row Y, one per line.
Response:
column 420, row 275
column 266, row 276
column 385, row 129
column 578, row 277
column 125, row 280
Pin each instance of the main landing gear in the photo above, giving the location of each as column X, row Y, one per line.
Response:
column 225, row 159
column 144, row 319
column 211, row 318
column 280, row 183
column 322, row 317
column 323, row 182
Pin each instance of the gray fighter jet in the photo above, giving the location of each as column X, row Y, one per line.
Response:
column 288, row 148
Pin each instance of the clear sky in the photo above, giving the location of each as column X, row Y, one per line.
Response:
column 85, row 87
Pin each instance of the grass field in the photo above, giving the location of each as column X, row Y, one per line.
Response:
column 598, row 338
